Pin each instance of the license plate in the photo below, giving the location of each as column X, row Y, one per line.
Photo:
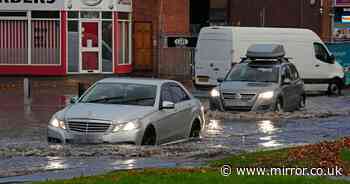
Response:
column 235, row 103
column 202, row 79
column 86, row 139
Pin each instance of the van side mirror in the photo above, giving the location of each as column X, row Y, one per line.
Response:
column 331, row 59
column 167, row 105
column 74, row 100
column 220, row 80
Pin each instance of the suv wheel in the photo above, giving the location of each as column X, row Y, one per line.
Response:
column 302, row 102
column 279, row 105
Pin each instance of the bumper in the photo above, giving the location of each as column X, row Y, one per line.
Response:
column 66, row 136
column 257, row 105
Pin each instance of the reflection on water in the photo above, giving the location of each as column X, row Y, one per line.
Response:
column 55, row 164
column 130, row 164
column 214, row 127
column 268, row 127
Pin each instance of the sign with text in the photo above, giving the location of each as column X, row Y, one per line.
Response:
column 31, row 5
column 342, row 3
column 182, row 42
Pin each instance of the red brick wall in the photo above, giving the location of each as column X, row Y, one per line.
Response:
column 175, row 17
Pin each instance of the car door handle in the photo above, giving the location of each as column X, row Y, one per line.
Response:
column 317, row 65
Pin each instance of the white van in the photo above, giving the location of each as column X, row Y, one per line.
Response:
column 219, row 48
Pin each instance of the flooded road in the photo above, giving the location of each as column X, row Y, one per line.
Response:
column 25, row 153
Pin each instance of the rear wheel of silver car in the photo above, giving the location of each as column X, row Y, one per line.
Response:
column 149, row 137
column 195, row 130
column 279, row 105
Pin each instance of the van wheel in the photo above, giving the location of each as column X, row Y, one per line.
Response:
column 334, row 88
column 279, row 106
column 149, row 137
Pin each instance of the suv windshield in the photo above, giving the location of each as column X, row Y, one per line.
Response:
column 254, row 73
column 121, row 93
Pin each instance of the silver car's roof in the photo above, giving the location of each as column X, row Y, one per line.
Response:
column 146, row 81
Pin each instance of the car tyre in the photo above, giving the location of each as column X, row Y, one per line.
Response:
column 279, row 106
column 334, row 88
column 302, row 102
column 195, row 130
column 149, row 137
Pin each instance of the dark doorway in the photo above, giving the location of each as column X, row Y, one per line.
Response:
column 199, row 15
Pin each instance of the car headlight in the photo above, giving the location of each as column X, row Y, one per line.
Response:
column 267, row 95
column 57, row 123
column 215, row 93
column 131, row 125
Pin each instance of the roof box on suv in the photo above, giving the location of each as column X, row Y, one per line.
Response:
column 265, row 51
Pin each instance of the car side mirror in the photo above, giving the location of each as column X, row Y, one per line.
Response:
column 331, row 59
column 74, row 99
column 168, row 105
column 286, row 81
column 220, row 80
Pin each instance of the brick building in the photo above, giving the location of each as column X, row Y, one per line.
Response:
column 157, row 20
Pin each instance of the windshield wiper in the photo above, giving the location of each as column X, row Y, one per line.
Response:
column 138, row 99
column 105, row 99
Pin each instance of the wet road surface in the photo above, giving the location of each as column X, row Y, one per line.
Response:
column 24, row 150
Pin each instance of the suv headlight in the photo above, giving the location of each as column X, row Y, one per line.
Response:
column 128, row 126
column 267, row 95
column 55, row 122
column 215, row 93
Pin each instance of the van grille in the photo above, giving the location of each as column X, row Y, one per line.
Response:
column 88, row 127
column 237, row 96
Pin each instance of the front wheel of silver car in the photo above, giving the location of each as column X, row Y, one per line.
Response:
column 149, row 137
column 195, row 130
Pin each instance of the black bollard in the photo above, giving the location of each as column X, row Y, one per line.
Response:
column 81, row 89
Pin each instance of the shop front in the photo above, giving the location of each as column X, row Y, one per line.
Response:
column 55, row 37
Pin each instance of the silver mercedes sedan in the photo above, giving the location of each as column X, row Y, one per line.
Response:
column 124, row 110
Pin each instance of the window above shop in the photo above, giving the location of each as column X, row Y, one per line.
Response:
column 13, row 14
column 90, row 14
column 45, row 14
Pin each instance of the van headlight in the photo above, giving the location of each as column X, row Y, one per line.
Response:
column 215, row 93
column 267, row 95
column 128, row 126
column 57, row 123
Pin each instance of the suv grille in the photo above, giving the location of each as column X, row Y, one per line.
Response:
column 236, row 96
column 88, row 127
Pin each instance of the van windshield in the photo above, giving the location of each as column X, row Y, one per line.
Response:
column 215, row 50
column 254, row 73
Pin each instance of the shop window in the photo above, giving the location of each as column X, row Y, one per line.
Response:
column 13, row 42
column 45, row 40
column 73, row 46
column 107, row 45
column 90, row 15
column 45, row 14
column 124, row 44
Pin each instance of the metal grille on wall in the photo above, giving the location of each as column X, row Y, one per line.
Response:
column 13, row 42
column 45, row 42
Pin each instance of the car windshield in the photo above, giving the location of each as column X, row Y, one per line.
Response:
column 121, row 93
column 254, row 73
